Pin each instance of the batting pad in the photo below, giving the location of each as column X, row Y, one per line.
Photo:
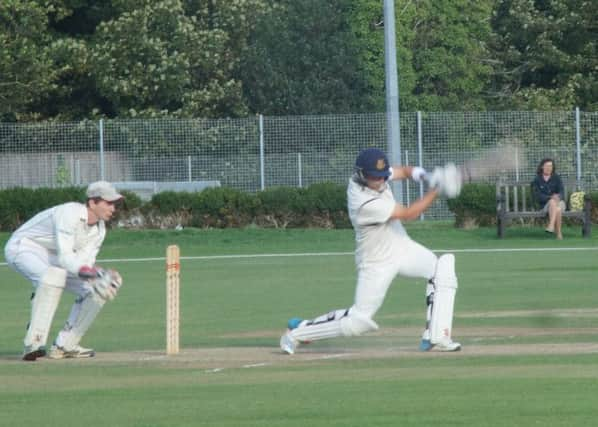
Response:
column 338, row 323
column 82, row 315
column 326, row 326
column 44, row 305
column 444, row 299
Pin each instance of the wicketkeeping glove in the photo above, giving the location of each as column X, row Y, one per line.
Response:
column 107, row 284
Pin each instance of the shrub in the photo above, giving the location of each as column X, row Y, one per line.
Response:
column 169, row 202
column 131, row 202
column 326, row 205
column 476, row 205
column 17, row 205
column 325, row 197
column 222, row 207
column 320, row 205
column 281, row 207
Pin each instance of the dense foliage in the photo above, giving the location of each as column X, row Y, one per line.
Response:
column 83, row 59
column 319, row 205
column 322, row 205
column 545, row 54
column 476, row 205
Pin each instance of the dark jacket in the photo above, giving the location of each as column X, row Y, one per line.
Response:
column 543, row 190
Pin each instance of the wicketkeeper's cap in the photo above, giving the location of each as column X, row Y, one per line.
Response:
column 103, row 190
column 373, row 162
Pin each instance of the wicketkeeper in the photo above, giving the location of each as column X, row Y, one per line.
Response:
column 384, row 250
column 56, row 250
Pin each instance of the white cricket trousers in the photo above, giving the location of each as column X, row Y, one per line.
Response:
column 409, row 259
column 32, row 261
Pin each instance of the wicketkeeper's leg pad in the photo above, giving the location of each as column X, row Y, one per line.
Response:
column 83, row 313
column 445, row 283
column 44, row 305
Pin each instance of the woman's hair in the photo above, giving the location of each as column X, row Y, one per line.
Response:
column 541, row 165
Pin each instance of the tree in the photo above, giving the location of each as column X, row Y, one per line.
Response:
column 74, row 59
column 448, row 53
column 546, row 54
column 170, row 58
column 303, row 58
column 26, row 71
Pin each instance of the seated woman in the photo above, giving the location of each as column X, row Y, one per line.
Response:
column 548, row 190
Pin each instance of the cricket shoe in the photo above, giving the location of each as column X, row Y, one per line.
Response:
column 425, row 345
column 31, row 353
column 77, row 352
column 443, row 346
column 294, row 323
column 288, row 344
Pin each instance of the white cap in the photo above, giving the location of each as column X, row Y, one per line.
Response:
column 103, row 190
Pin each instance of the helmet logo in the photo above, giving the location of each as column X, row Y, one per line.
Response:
column 380, row 164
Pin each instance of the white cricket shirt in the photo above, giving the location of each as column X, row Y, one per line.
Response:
column 63, row 230
column 376, row 234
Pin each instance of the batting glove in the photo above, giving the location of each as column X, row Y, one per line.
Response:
column 447, row 180
column 418, row 174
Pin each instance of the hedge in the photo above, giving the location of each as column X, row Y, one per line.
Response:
column 319, row 205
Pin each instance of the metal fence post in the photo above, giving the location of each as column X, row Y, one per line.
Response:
column 420, row 155
column 392, row 93
column 578, row 145
column 300, row 171
column 262, row 179
column 102, row 170
column 407, row 189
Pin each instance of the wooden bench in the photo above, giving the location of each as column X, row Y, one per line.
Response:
column 514, row 200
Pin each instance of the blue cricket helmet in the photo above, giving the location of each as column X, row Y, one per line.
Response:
column 372, row 162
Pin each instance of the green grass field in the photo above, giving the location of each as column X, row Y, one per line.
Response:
column 526, row 314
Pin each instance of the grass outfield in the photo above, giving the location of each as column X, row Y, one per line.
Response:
column 526, row 314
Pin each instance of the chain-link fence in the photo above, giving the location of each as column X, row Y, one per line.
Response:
column 254, row 153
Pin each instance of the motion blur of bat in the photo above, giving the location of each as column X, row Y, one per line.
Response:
column 493, row 162
column 490, row 163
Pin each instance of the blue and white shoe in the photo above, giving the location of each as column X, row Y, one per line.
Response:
column 288, row 344
column 294, row 323
column 444, row 346
column 425, row 345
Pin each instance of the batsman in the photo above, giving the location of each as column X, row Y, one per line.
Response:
column 384, row 250
column 56, row 251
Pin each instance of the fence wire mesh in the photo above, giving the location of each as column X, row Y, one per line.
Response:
column 254, row 153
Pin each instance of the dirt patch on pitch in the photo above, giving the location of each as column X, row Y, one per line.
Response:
column 386, row 343
column 558, row 313
column 217, row 359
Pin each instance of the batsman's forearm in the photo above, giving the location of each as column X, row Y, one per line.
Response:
column 414, row 210
column 401, row 172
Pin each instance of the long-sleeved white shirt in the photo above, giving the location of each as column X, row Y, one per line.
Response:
column 376, row 234
column 63, row 230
